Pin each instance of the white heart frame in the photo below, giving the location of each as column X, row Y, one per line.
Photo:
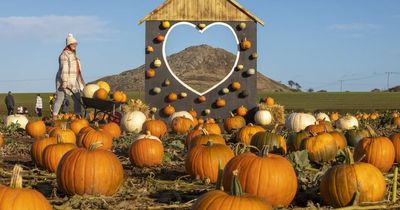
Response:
column 201, row 31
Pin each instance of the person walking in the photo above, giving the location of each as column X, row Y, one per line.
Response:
column 69, row 77
column 39, row 105
column 65, row 106
column 9, row 101
column 52, row 100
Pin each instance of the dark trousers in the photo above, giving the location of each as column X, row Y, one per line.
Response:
column 39, row 112
column 10, row 110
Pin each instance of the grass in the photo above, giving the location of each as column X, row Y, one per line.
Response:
column 342, row 102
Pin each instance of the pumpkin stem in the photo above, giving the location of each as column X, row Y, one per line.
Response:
column 16, row 179
column 95, row 145
column 275, row 128
column 205, row 132
column 153, row 117
column 148, row 133
column 64, row 126
column 349, row 156
column 59, row 139
column 232, row 114
column 236, row 189
column 220, row 177
column 371, row 131
column 264, row 151
column 251, row 124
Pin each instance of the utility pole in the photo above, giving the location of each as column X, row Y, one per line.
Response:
column 388, row 79
column 341, row 85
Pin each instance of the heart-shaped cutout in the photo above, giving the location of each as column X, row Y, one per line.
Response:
column 200, row 92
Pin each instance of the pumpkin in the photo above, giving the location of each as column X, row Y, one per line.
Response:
column 183, row 94
column 340, row 139
column 1, row 140
column 242, row 26
column 181, row 125
column 340, row 183
column 165, row 24
column 19, row 119
column 67, row 135
column 180, row 114
column 378, row 151
column 235, row 200
column 207, row 111
column 149, row 49
column 347, row 122
column 160, row 38
column 240, row 67
column 192, row 134
column 299, row 121
column 193, row 113
column 320, row 147
column 201, row 99
column 269, row 176
column 156, row 127
column 150, row 73
column 395, row 138
column 172, row 97
column 319, row 127
column 203, row 161
column 201, row 26
column 38, row 147
column 101, row 94
column 167, row 82
column 246, row 133
column 95, row 135
column 77, row 124
column 241, row 111
column 17, row 198
column 225, row 90
column 89, row 90
column 113, row 129
column 235, row 85
column 245, row 44
column 157, row 63
column 220, row 102
column 204, row 138
column 92, row 171
column 254, row 55
column 334, row 116
column 322, row 117
column 36, row 129
column 146, row 151
column 53, row 153
column 244, row 94
column 169, row 110
column 234, row 123
column 251, row 72
column 396, row 121
column 276, row 143
column 104, row 85
column 355, row 135
column 133, row 121
column 295, row 140
column 269, row 101
column 118, row 96
column 263, row 117
column 211, row 126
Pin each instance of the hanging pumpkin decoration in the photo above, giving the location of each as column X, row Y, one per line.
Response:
column 245, row 44
column 172, row 97
column 201, row 26
column 207, row 111
column 36, row 129
column 241, row 111
column 165, row 24
column 146, row 151
column 160, row 38
column 220, row 102
column 90, row 171
column 225, row 90
column 320, row 147
column 53, row 153
column 167, row 82
column 246, row 133
column 251, row 72
column 183, row 94
column 254, row 56
column 242, row 26
column 168, row 110
column 235, row 85
column 156, row 127
column 156, row 90
column 149, row 49
column 150, row 73
column 234, row 123
column 157, row 63
column 201, row 99
column 203, row 161
column 240, row 67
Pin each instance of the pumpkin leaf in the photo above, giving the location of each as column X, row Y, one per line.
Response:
column 299, row 159
column 178, row 144
column 167, row 158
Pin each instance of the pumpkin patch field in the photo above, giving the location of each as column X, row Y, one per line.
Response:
column 280, row 159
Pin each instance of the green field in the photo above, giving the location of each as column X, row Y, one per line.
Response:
column 342, row 102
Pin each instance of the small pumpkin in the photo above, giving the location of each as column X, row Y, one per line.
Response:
column 201, row 99
column 241, row 111
column 113, row 129
column 118, row 96
column 201, row 26
column 276, row 143
column 160, row 38
column 396, row 121
column 251, row 72
column 17, row 198
column 319, row 127
column 67, row 135
column 167, row 82
column 157, row 63
column 36, row 129
column 246, row 133
column 320, row 147
column 220, row 102
column 235, row 85
column 242, row 26
column 77, row 124
column 150, row 73
column 156, row 90
column 206, row 137
column 168, row 110
column 269, row 101
column 207, row 111
column 181, row 125
column 183, row 94
column 53, row 153
column 101, row 94
column 263, row 117
column 225, row 90
column 245, row 44
column 165, row 24
column 1, row 140
column 334, row 116
column 234, row 123
column 149, row 49
column 172, row 97
column 146, row 151
column 203, row 161
column 254, row 55
column 240, row 67
column 295, row 140
column 355, row 135
column 156, row 127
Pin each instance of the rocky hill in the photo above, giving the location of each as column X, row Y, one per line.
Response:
column 198, row 66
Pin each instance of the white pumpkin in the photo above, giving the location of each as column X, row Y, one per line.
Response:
column 299, row 121
column 89, row 90
column 133, row 121
column 322, row 116
column 22, row 120
column 263, row 117
column 347, row 122
column 147, row 136
column 180, row 114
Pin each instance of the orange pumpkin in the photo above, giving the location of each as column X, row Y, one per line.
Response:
column 395, row 138
column 157, row 128
column 201, row 99
column 245, row 133
column 35, row 129
column 245, row 44
column 211, row 126
column 193, row 113
column 396, row 121
column 1, row 140
column 203, row 161
column 169, row 110
column 172, row 97
column 92, row 171
column 150, row 73
column 17, row 198
column 220, row 102
column 241, row 111
column 320, row 147
column 101, row 94
column 204, row 138
column 118, row 96
column 146, row 151
column 234, row 123
column 340, row 139
column 78, row 124
column 269, row 101
column 67, row 135
column 334, row 116
column 235, row 85
column 192, row 134
column 181, row 125
column 38, row 147
column 53, row 153
column 160, row 38
column 96, row 135
column 113, row 129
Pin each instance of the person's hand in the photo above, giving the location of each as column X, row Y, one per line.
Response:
column 64, row 85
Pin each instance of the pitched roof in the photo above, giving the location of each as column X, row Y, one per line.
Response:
column 201, row 10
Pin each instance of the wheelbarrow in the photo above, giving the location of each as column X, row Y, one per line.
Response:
column 99, row 106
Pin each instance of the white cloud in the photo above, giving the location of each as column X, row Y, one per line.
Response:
column 48, row 28
column 353, row 27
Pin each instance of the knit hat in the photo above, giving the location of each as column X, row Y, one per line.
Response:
column 71, row 39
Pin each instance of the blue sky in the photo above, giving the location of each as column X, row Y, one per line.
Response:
column 315, row 43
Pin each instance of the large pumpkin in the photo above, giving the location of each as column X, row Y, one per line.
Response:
column 234, row 123
column 146, row 151
column 353, row 136
column 347, row 122
column 17, row 198
column 181, row 125
column 395, row 138
column 36, row 129
column 133, row 121
column 299, row 121
column 155, row 127
column 378, row 151
column 206, row 137
column 340, row 139
column 320, row 147
column 192, row 134
column 244, row 135
column 19, row 119
column 276, row 143
column 77, row 124
column 89, row 90
column 53, row 153
column 67, row 135
column 93, row 136
column 92, row 171
column 113, row 129
column 38, row 147
column 341, row 182
column 295, row 140
column 203, row 161
column 268, row 176
column 236, row 200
